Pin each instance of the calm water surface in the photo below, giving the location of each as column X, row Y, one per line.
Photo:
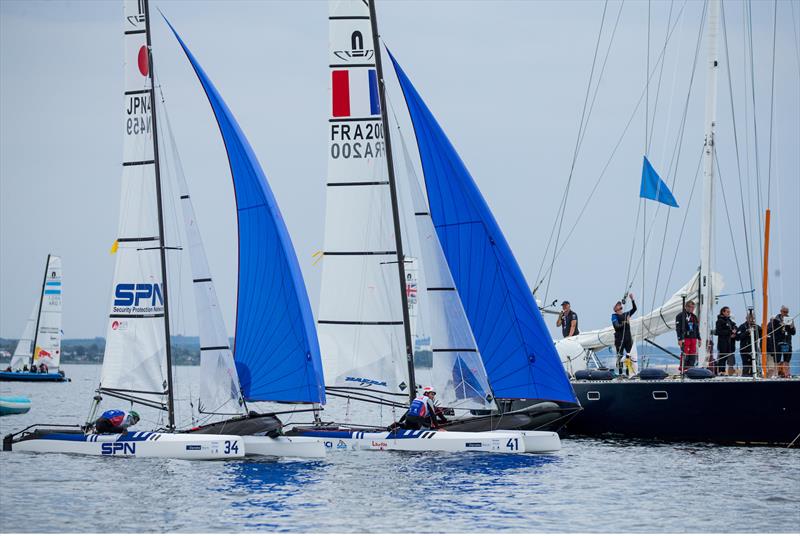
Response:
column 590, row 486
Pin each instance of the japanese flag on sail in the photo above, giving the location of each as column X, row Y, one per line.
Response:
column 354, row 93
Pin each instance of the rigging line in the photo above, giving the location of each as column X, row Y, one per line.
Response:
column 755, row 132
column 628, row 282
column 647, row 88
column 565, row 195
column 672, row 170
column 685, row 217
column 660, row 76
column 602, row 70
column 772, row 101
column 730, row 227
column 736, row 146
column 796, row 38
column 608, row 162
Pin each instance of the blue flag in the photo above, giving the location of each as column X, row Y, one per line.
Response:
column 653, row 187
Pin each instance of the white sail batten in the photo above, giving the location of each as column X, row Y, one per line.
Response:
column 22, row 353
column 456, row 370
column 220, row 392
column 47, row 341
column 360, row 319
column 135, row 354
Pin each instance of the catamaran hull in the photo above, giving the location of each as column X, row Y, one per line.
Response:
column 130, row 445
column 289, row 447
column 518, row 415
column 32, row 377
column 719, row 410
column 500, row 442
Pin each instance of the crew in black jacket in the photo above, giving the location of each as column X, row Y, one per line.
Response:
column 780, row 332
column 687, row 327
column 746, row 343
column 726, row 342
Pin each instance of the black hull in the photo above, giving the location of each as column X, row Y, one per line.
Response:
column 519, row 415
column 251, row 425
column 720, row 410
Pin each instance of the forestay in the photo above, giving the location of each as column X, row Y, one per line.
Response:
column 276, row 350
column 22, row 353
column 135, row 353
column 360, row 314
column 47, row 343
column 220, row 393
column 456, row 370
column 514, row 342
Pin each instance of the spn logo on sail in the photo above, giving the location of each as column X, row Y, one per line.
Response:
column 138, row 298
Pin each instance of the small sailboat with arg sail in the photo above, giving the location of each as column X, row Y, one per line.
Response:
column 42, row 362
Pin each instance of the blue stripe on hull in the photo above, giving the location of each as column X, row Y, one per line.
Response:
column 31, row 377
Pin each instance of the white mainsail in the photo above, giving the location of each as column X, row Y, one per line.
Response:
column 47, row 342
column 22, row 353
column 360, row 319
column 135, row 354
column 457, row 370
column 220, row 393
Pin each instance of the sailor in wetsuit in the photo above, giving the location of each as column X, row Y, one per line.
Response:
column 422, row 413
column 623, row 341
column 115, row 421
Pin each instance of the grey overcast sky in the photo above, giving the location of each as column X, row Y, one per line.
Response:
column 507, row 81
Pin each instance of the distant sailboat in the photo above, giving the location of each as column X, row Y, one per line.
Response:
column 43, row 332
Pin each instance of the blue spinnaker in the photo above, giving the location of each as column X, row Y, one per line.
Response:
column 276, row 349
column 516, row 347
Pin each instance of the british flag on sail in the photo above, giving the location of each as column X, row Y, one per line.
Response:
column 354, row 93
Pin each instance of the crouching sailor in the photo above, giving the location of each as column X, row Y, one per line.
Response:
column 423, row 413
column 115, row 421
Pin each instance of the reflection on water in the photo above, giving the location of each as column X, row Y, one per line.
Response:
column 607, row 485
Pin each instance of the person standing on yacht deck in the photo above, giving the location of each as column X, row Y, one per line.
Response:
column 623, row 341
column 746, row 342
column 687, row 327
column 726, row 331
column 567, row 320
column 781, row 329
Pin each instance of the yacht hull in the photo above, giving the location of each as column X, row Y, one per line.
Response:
column 719, row 410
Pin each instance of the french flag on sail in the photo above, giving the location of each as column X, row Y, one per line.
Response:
column 355, row 93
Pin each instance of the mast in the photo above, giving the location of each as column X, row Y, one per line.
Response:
column 706, row 290
column 398, row 238
column 39, row 312
column 162, row 246
column 764, row 315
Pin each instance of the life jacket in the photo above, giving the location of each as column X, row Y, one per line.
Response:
column 419, row 407
column 117, row 417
